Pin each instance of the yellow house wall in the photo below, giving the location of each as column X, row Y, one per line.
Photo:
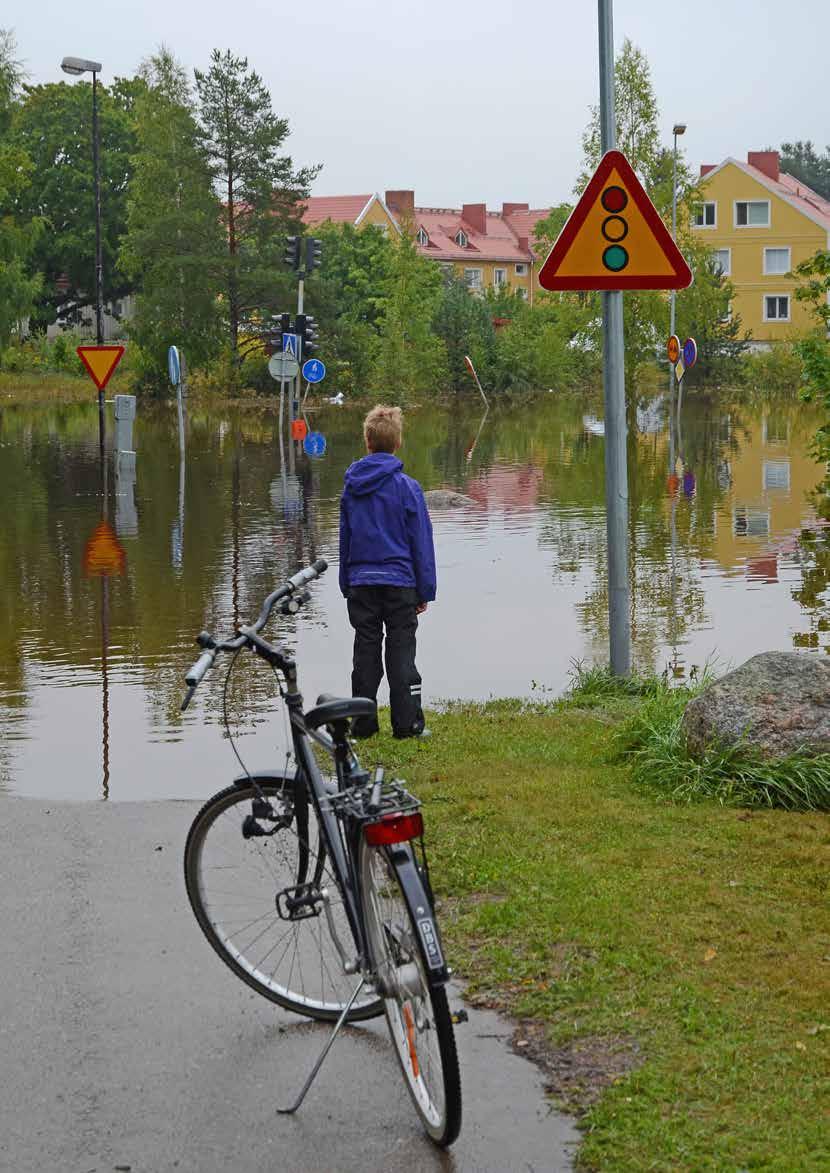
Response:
column 788, row 228
column 378, row 216
column 488, row 269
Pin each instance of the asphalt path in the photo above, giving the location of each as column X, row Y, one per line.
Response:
column 126, row 1044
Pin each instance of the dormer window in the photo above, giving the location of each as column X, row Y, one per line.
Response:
column 461, row 238
column 422, row 237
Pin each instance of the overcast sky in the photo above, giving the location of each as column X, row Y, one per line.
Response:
column 468, row 100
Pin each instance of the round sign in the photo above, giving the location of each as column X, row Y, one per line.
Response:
column 174, row 367
column 689, row 352
column 299, row 430
column 673, row 349
column 315, row 444
column 314, row 370
column 283, row 366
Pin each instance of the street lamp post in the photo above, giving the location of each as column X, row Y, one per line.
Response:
column 77, row 66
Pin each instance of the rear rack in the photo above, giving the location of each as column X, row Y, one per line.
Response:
column 363, row 805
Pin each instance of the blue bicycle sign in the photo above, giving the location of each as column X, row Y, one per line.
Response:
column 314, row 371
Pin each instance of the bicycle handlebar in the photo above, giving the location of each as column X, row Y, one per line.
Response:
column 197, row 671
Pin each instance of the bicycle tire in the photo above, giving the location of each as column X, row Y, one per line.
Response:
column 415, row 1011
column 232, row 883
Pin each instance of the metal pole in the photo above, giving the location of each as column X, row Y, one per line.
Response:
column 99, row 268
column 673, row 225
column 616, row 467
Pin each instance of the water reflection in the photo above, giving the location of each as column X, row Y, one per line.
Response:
column 728, row 555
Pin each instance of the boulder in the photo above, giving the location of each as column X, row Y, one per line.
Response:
column 446, row 499
column 775, row 703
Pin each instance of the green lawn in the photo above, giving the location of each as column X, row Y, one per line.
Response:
column 672, row 962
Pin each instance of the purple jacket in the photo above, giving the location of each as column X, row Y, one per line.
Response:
column 385, row 531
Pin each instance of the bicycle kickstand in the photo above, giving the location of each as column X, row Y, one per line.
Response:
column 290, row 1111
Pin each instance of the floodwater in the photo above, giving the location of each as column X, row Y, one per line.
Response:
column 101, row 597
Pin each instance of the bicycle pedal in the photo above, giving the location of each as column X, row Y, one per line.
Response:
column 459, row 1016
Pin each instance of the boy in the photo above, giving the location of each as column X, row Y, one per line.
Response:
column 387, row 572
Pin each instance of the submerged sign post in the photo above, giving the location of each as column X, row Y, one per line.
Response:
column 614, row 240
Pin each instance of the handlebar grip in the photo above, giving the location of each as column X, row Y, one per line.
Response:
column 195, row 675
column 310, row 572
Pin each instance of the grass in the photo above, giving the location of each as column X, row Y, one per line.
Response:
column 693, row 938
column 27, row 388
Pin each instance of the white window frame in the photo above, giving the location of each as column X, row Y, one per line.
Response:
column 496, row 283
column 479, row 283
column 422, row 236
column 778, row 248
column 735, row 223
column 701, row 208
column 521, row 269
column 727, row 272
column 789, row 307
column 461, row 238
column 522, row 293
column 776, row 475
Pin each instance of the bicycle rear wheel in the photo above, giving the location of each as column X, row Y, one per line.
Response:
column 234, row 882
column 418, row 1015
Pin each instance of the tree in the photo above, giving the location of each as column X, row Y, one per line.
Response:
column 814, row 351
column 173, row 248
column 410, row 358
column 802, row 160
column 258, row 186
column 53, row 125
column 547, row 230
column 465, row 323
column 703, row 312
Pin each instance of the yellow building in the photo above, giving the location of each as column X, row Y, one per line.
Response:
column 760, row 223
column 486, row 250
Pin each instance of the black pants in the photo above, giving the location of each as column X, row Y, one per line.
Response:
column 370, row 608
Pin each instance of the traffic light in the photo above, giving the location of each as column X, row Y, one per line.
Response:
column 313, row 253
column 306, row 327
column 292, row 252
column 281, row 325
column 614, row 228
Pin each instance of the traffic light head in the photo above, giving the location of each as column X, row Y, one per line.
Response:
column 306, row 327
column 313, row 253
column 292, row 252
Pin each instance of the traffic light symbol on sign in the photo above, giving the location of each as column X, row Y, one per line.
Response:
column 614, row 228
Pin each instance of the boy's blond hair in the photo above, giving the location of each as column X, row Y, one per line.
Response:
column 383, row 428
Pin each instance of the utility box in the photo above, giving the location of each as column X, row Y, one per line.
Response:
column 124, row 416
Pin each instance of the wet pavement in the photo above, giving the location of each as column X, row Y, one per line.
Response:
column 126, row 1044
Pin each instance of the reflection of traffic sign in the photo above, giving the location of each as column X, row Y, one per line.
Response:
column 614, row 238
column 283, row 367
column 689, row 353
column 315, row 444
column 673, row 349
column 314, row 371
column 299, row 429
column 103, row 554
column 174, row 366
column 290, row 344
column 100, row 361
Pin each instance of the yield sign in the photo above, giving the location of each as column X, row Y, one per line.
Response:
column 614, row 238
column 100, row 361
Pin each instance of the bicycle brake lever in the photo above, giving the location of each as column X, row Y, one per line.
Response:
column 188, row 697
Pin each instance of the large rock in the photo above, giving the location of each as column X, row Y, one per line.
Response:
column 446, row 499
column 775, row 703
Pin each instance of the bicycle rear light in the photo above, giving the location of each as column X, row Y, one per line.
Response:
column 394, row 828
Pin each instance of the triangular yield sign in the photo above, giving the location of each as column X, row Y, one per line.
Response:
column 100, row 361
column 614, row 238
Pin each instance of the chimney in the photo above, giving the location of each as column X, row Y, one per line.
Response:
column 765, row 161
column 705, row 168
column 476, row 216
column 509, row 209
column 524, row 244
column 401, row 203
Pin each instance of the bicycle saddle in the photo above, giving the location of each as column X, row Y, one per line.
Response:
column 338, row 708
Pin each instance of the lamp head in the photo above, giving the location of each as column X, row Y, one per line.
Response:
column 679, row 128
column 79, row 65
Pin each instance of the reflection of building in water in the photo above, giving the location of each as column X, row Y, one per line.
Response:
column 506, row 485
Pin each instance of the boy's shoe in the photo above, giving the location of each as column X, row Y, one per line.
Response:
column 421, row 733
column 361, row 730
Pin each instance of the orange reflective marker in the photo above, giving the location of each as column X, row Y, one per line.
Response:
column 673, row 349
column 299, row 430
column 103, row 553
column 100, row 361
column 615, row 238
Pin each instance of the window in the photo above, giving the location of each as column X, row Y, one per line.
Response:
column 499, row 277
column 722, row 261
column 777, row 260
column 521, row 270
column 461, row 239
column 523, row 294
column 776, row 474
column 776, row 307
column 752, row 213
column 472, row 277
column 750, row 521
column 422, row 237
column 706, row 215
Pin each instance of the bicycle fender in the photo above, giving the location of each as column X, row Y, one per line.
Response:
column 420, row 908
column 276, row 777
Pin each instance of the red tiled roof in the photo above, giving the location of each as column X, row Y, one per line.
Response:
column 524, row 223
column 338, row 209
column 804, row 196
column 499, row 243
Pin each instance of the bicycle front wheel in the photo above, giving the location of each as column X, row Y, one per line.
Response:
column 418, row 1015
column 237, row 885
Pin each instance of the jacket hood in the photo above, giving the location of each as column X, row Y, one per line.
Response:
column 367, row 475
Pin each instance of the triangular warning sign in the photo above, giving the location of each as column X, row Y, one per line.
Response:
column 614, row 238
column 100, row 361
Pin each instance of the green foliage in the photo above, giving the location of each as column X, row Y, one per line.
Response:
column 768, row 372
column 547, row 229
column 803, row 161
column 703, row 314
column 258, row 187
column 814, row 351
column 465, row 323
column 40, row 355
column 173, row 248
column 594, row 684
column 553, row 344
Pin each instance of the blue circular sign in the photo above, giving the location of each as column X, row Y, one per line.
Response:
column 315, row 444
column 314, row 370
column 689, row 353
column 174, row 366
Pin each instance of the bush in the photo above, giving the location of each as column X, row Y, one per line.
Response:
column 776, row 369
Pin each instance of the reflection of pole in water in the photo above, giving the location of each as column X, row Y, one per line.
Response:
column 235, row 525
column 468, row 456
column 177, row 541
column 105, row 720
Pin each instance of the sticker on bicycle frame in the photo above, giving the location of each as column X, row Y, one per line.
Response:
column 432, row 949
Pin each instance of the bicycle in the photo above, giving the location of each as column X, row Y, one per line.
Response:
column 278, row 853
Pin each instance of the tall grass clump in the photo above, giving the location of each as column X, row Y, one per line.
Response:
column 595, row 685
column 653, row 742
